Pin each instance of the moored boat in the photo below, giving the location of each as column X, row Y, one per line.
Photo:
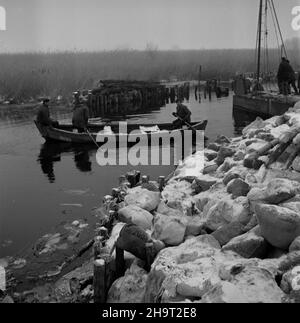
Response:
column 99, row 133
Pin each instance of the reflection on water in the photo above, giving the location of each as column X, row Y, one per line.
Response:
column 51, row 152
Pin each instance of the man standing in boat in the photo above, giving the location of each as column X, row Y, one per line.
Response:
column 183, row 115
column 80, row 115
column 292, row 78
column 283, row 76
column 43, row 115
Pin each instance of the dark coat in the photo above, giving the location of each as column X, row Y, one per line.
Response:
column 285, row 72
column 183, row 112
column 80, row 117
column 43, row 116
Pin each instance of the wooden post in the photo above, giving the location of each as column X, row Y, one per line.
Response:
column 107, row 198
column 99, row 281
column 115, row 192
column 145, row 179
column 161, row 182
column 122, row 179
column 149, row 255
column 133, row 177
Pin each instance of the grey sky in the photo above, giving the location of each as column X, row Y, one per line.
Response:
column 34, row 25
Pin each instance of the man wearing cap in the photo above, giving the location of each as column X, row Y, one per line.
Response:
column 183, row 115
column 43, row 115
column 80, row 116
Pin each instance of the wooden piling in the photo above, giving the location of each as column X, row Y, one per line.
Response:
column 145, row 179
column 133, row 177
column 161, row 182
column 99, row 281
column 115, row 192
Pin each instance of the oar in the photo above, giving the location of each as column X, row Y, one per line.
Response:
column 189, row 125
column 185, row 122
column 95, row 142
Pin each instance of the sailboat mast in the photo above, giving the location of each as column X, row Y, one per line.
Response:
column 259, row 38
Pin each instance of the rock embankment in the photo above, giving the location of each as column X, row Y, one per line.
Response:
column 231, row 230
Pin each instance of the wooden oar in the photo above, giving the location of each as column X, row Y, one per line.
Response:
column 187, row 124
column 95, row 142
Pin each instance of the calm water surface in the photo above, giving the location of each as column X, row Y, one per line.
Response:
column 42, row 185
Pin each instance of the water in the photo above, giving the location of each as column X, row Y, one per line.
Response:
column 44, row 185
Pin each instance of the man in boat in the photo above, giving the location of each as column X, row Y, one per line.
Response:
column 135, row 240
column 183, row 115
column 43, row 115
column 80, row 117
column 292, row 78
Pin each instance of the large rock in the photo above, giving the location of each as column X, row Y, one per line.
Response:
column 130, row 288
column 224, row 292
column 178, row 195
column 143, row 198
column 166, row 210
column 237, row 187
column 227, row 232
column 289, row 261
column 136, row 215
column 227, row 165
column 223, row 153
column 290, row 282
column 295, row 245
column 248, row 245
column 195, row 226
column 296, row 164
column 250, row 284
column 203, row 183
column 169, row 229
column 226, row 211
column 221, row 140
column 255, row 125
column 193, row 270
column 277, row 191
column 184, row 271
column 214, row 146
column 279, row 226
column 210, row 154
column 230, row 176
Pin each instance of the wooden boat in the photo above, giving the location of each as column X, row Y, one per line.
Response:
column 100, row 133
column 263, row 103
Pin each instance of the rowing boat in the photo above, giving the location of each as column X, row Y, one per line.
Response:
column 124, row 132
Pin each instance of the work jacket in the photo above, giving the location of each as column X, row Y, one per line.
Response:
column 183, row 112
column 43, row 116
column 80, row 117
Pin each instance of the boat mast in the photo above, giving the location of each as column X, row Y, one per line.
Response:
column 259, row 38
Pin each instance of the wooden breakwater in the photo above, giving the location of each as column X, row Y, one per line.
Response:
column 120, row 97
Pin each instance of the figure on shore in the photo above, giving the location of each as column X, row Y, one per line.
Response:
column 292, row 78
column 286, row 77
column 183, row 115
column 80, row 115
column 43, row 115
column 135, row 240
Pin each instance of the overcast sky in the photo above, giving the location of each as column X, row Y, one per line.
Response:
column 34, row 25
